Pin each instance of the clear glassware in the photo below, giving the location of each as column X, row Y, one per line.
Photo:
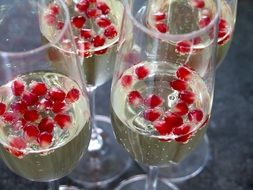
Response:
column 44, row 108
column 163, row 84
column 96, row 25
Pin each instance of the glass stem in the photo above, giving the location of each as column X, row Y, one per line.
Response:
column 96, row 141
column 53, row 185
column 152, row 178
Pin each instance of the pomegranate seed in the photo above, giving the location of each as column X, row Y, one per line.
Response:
column 151, row 114
column 29, row 98
column 103, row 7
column 98, row 41
column 180, row 108
column 222, row 24
column 10, row 117
column 141, row 72
column 101, row 52
column 54, row 9
column 63, row 120
column 153, row 101
column 204, row 21
column 45, row 139
column 126, row 81
column 184, row 73
column 31, row 115
column 31, row 132
column 18, row 107
column 187, row 96
column 39, row 88
column 204, row 123
column 158, row 16
column 2, row 108
column 59, row 25
column 17, row 144
column 78, row 21
column 50, row 19
column 103, row 21
column 221, row 34
column 222, row 41
column 92, row 1
column 110, row 32
column 46, row 125
column 58, row 107
column 195, row 115
column 162, row 27
column 182, row 130
column 183, row 47
column 162, row 127
column 173, row 120
column 72, row 95
column 178, row 85
column 44, row 104
column 197, row 40
column 84, row 48
column 184, row 139
column 198, row 3
column 82, row 6
column 91, row 13
column 134, row 98
column 86, row 33
column 18, row 87
column 56, row 94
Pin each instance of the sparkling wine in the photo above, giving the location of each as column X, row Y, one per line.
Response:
column 157, row 115
column 44, row 125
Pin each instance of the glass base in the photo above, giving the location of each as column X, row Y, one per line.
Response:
column 101, row 167
column 65, row 187
column 138, row 182
column 190, row 167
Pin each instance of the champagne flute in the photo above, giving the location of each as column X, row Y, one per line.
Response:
column 161, row 103
column 44, row 110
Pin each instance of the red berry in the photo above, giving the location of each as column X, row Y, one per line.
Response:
column 91, row 13
column 78, row 21
column 198, row 3
column 103, row 7
column 18, row 143
column 18, row 107
column 184, row 73
column 82, row 6
column 134, row 98
column 72, row 95
column 45, row 139
column 44, row 104
column 86, row 33
column 63, row 120
column 187, row 96
column 59, row 25
column 178, row 85
column 50, row 19
column 196, row 115
column 158, row 16
column 18, row 87
column 173, row 120
column 180, row 108
column 141, row 72
column 46, row 125
column 92, row 1
column 126, row 81
column 182, row 130
column 2, row 108
column 223, row 40
column 162, row 127
column 183, row 47
column 110, row 32
column 56, row 95
column 151, row 114
column 39, row 88
column 204, row 21
column 10, row 117
column 103, row 21
column 221, row 34
column 222, row 24
column 153, row 101
column 31, row 115
column 101, row 52
column 98, row 41
column 58, row 107
column 31, row 132
column 29, row 99
column 184, row 139
column 84, row 48
column 162, row 27
column 54, row 9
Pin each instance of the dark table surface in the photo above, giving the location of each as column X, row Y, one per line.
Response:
column 231, row 131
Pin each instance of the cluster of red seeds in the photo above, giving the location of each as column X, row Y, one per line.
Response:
column 34, row 113
column 170, row 122
column 86, row 11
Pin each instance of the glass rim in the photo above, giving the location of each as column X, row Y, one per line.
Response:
column 173, row 37
column 47, row 45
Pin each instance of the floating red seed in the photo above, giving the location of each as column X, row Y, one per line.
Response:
column 183, row 47
column 18, row 143
column 134, row 98
column 222, row 41
column 63, row 120
column 82, row 6
column 182, row 130
column 58, row 107
column 31, row 115
column 59, row 25
column 223, row 24
column 126, row 81
column 30, row 99
column 39, row 88
column 45, row 139
column 92, row 1
column 50, row 19
column 86, row 33
column 98, row 41
column 103, row 21
column 72, row 95
column 204, row 21
column 2, row 108
column 31, row 132
column 44, row 104
column 153, row 101
column 10, row 117
column 78, row 21
column 18, row 107
column 91, row 13
column 178, row 85
column 187, row 96
column 184, row 73
column 162, row 127
column 141, row 72
column 161, row 27
column 200, row 4
column 184, row 139
column 173, row 120
column 110, row 32
column 54, row 9
column 158, row 16
column 103, row 7
column 151, row 115
column 180, row 108
column 56, row 95
column 18, row 87
column 101, row 52
column 46, row 125
column 196, row 115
